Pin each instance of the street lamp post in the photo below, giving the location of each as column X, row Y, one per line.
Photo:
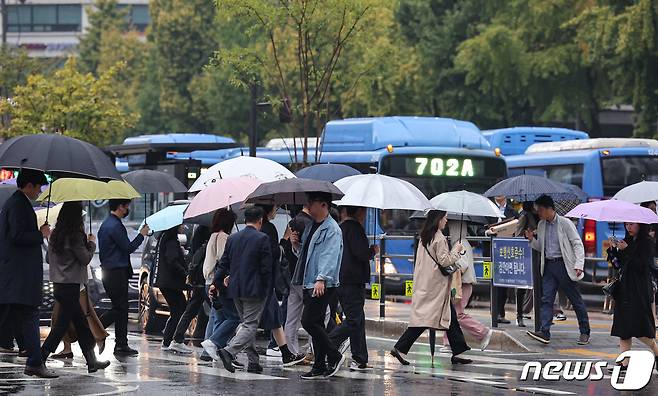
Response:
column 3, row 10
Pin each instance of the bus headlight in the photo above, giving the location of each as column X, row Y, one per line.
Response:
column 389, row 268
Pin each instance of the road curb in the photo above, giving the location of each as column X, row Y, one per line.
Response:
column 500, row 339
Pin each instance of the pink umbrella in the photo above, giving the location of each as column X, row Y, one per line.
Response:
column 221, row 194
column 614, row 211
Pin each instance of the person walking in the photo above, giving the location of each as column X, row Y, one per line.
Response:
column 354, row 274
column 633, row 316
column 528, row 220
column 562, row 261
column 318, row 272
column 114, row 249
column 430, row 301
column 69, row 253
column 245, row 269
column 480, row 332
column 170, row 279
column 21, row 266
column 271, row 318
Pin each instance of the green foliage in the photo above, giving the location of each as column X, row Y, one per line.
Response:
column 104, row 16
column 72, row 103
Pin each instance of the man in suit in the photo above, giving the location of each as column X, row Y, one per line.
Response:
column 246, row 270
column 506, row 212
column 21, row 266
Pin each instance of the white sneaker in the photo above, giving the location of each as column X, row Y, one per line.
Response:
column 344, row 346
column 354, row 366
column 486, row 340
column 164, row 347
column 211, row 349
column 273, row 352
column 180, row 348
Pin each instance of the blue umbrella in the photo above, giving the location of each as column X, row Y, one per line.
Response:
column 327, row 172
column 530, row 187
column 166, row 218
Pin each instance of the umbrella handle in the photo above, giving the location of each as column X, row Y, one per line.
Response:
column 50, row 190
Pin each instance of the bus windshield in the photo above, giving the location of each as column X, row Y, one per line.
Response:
column 619, row 172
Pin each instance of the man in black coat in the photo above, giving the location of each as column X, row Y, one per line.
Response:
column 245, row 269
column 354, row 274
column 21, row 266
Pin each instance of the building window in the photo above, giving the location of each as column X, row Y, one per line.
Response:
column 137, row 16
column 44, row 18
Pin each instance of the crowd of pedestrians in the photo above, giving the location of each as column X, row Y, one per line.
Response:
column 252, row 279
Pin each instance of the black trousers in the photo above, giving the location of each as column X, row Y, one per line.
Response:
column 68, row 295
column 315, row 310
column 333, row 309
column 502, row 299
column 25, row 319
column 352, row 300
column 191, row 311
column 115, row 282
column 9, row 332
column 176, row 301
column 454, row 333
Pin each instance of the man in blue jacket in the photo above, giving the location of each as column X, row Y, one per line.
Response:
column 246, row 269
column 114, row 249
column 318, row 271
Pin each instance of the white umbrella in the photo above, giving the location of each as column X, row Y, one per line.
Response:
column 639, row 192
column 262, row 169
column 381, row 192
column 465, row 203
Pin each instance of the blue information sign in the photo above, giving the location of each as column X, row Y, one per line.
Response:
column 512, row 263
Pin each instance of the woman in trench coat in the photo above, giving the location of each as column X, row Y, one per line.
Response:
column 430, row 301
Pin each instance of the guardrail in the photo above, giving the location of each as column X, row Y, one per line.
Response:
column 381, row 273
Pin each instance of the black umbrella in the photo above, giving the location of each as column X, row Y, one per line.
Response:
column 6, row 191
column 327, row 172
column 148, row 181
column 530, row 187
column 58, row 155
column 291, row 191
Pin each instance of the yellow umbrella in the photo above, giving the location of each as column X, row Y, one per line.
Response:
column 72, row 189
column 52, row 214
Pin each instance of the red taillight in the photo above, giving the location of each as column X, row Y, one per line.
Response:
column 589, row 238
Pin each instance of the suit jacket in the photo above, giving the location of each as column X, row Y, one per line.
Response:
column 21, row 261
column 247, row 259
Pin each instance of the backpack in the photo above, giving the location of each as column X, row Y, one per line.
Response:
column 195, row 269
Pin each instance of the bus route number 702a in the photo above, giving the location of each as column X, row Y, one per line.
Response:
column 444, row 167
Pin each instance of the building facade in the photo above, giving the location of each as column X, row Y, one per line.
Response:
column 52, row 28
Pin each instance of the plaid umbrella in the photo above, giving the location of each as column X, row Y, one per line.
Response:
column 530, row 187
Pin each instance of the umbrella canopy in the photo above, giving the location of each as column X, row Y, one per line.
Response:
column 6, row 191
column 223, row 193
column 327, row 172
column 58, row 155
column 577, row 191
column 262, row 169
column 614, row 211
column 147, row 181
column 381, row 192
column 166, row 218
column 291, row 191
column 530, row 187
column 466, row 203
column 71, row 189
column 52, row 214
column 639, row 192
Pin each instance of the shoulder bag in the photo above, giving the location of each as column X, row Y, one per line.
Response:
column 447, row 271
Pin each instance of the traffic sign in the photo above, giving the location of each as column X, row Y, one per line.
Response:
column 486, row 270
column 408, row 288
column 512, row 263
column 374, row 291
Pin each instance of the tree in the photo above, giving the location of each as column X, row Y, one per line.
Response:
column 72, row 103
column 182, row 32
column 104, row 15
column 15, row 67
column 298, row 46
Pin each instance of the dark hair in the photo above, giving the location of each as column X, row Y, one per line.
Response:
column 431, row 226
column 27, row 176
column 319, row 196
column 334, row 213
column 351, row 211
column 223, row 220
column 528, row 206
column 646, row 204
column 266, row 210
column 68, row 226
column 168, row 235
column 545, row 202
column 253, row 214
column 115, row 203
column 642, row 233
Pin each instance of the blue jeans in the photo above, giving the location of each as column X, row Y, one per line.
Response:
column 226, row 321
column 556, row 276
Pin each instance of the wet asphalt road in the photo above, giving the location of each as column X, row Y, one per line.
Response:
column 155, row 372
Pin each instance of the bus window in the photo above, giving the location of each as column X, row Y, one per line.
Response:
column 619, row 172
column 570, row 174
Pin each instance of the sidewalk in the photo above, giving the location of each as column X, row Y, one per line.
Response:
column 506, row 337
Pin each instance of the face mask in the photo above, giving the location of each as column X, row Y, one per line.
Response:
column 127, row 213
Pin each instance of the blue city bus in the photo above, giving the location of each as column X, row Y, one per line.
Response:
column 514, row 141
column 601, row 167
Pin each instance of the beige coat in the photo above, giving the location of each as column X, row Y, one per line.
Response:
column 430, row 302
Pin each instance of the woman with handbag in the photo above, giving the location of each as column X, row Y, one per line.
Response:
column 430, row 302
column 632, row 291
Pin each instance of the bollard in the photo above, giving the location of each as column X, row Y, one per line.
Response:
column 382, row 278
